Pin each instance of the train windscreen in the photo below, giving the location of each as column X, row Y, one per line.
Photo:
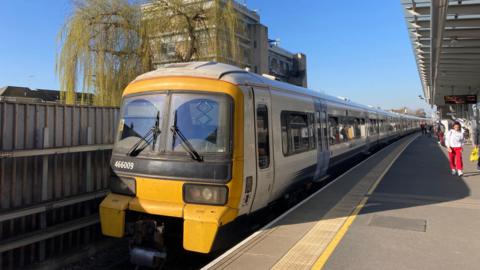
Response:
column 175, row 123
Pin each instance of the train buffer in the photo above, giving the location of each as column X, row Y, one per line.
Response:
column 399, row 209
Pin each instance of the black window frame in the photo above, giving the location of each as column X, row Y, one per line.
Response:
column 264, row 108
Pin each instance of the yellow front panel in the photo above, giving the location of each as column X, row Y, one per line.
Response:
column 157, row 208
column 202, row 223
column 112, row 221
column 199, row 236
column 112, row 214
column 159, row 190
column 158, row 197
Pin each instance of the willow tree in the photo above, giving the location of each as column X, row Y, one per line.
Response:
column 106, row 43
column 226, row 27
column 104, row 46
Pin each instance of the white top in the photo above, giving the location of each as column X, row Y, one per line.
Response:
column 454, row 138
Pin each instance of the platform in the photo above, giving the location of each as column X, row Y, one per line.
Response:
column 399, row 209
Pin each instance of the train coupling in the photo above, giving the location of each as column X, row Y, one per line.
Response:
column 147, row 246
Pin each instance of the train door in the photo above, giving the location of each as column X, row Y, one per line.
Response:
column 322, row 139
column 264, row 148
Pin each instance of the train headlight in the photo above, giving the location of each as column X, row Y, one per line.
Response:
column 122, row 185
column 205, row 194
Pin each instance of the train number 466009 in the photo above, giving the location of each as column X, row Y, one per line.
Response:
column 124, row 165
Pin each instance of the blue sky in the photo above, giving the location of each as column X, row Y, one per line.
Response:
column 355, row 49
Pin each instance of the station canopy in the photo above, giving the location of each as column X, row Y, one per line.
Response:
column 445, row 37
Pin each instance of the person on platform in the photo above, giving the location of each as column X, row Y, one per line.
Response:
column 440, row 133
column 476, row 139
column 454, row 142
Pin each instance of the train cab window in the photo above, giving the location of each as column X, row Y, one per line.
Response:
column 202, row 120
column 297, row 132
column 263, row 142
column 138, row 116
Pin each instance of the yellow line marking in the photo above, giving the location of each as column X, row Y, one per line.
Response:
column 322, row 260
column 338, row 237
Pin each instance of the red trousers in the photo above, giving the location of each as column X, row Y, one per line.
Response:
column 456, row 158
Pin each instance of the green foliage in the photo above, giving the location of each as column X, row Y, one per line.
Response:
column 226, row 31
column 105, row 44
column 103, row 48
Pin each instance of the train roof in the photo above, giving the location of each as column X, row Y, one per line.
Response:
column 238, row 76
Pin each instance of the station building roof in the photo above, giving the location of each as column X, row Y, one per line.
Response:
column 445, row 38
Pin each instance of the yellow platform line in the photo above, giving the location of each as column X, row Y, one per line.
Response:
column 322, row 260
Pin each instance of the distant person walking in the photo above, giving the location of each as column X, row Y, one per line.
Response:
column 454, row 141
column 422, row 126
column 440, row 133
column 429, row 130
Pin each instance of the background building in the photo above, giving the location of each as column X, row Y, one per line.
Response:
column 256, row 51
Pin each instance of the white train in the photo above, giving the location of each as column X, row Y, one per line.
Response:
column 205, row 143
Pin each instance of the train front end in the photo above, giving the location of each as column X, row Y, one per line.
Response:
column 177, row 159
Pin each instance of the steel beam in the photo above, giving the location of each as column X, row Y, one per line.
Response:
column 54, row 151
column 461, row 22
column 438, row 15
column 42, row 207
column 463, row 9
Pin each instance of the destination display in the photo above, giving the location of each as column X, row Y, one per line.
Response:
column 460, row 99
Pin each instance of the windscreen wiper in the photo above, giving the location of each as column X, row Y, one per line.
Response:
column 184, row 141
column 145, row 140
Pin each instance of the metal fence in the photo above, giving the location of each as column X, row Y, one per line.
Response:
column 54, row 170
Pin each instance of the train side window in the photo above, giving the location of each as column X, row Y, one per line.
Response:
column 363, row 130
column 297, row 132
column 334, row 131
column 311, row 131
column 324, row 126
column 263, row 142
column 343, row 129
column 356, row 126
column 318, row 128
column 374, row 129
column 349, row 129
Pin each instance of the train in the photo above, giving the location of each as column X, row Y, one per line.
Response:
column 202, row 144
